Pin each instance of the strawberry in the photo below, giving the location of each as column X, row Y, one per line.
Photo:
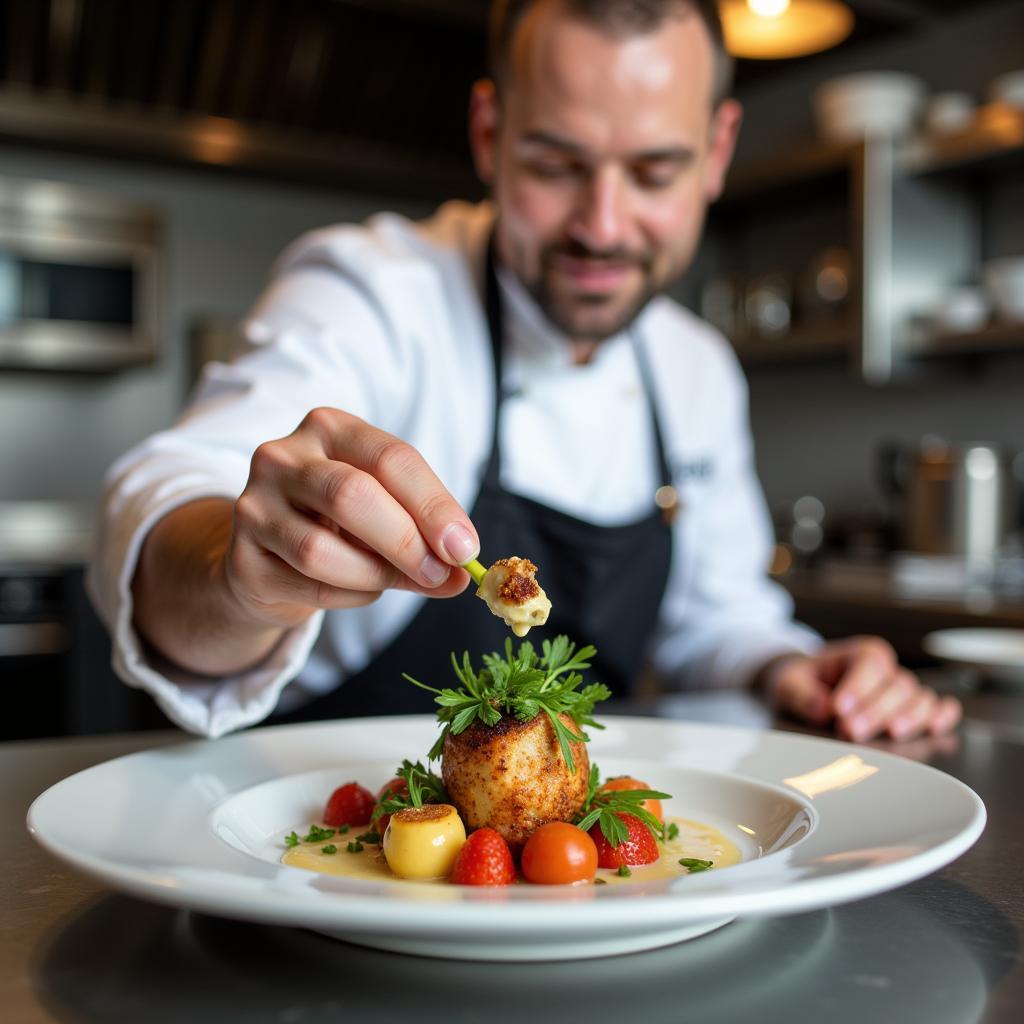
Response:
column 396, row 787
column 484, row 859
column 638, row 848
column 350, row 804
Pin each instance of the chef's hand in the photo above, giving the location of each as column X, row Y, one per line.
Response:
column 858, row 684
column 337, row 512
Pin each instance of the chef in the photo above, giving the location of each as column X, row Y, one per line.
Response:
column 503, row 379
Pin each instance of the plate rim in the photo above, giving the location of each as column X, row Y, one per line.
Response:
column 519, row 917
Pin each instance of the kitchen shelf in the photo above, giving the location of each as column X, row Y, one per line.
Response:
column 996, row 337
column 806, row 343
column 994, row 140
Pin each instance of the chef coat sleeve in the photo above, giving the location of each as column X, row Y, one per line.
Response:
column 314, row 339
column 723, row 618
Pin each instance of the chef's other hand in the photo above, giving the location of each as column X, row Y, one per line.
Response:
column 858, row 684
column 337, row 512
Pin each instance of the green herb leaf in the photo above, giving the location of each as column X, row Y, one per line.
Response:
column 523, row 684
column 624, row 872
column 695, row 864
column 292, row 839
column 329, row 848
column 355, row 846
column 606, row 806
column 318, row 834
column 369, row 837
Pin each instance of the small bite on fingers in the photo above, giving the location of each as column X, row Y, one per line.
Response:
column 510, row 589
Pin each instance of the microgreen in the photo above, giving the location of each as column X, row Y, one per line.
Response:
column 329, row 848
column 695, row 864
column 355, row 846
column 424, row 787
column 605, row 807
column 525, row 684
column 318, row 834
column 292, row 839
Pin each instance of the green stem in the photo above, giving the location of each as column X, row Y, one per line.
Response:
column 476, row 570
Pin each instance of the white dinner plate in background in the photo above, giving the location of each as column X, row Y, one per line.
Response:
column 998, row 653
column 201, row 825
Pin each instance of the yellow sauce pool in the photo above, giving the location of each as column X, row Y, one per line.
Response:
column 694, row 840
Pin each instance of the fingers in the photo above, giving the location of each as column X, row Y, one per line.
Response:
column 405, row 475
column 796, row 687
column 350, row 506
column 902, row 708
column 873, row 695
column 870, row 663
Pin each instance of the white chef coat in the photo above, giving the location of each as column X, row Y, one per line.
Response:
column 386, row 322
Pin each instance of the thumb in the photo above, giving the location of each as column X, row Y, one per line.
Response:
column 798, row 689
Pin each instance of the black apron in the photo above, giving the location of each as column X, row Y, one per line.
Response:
column 605, row 583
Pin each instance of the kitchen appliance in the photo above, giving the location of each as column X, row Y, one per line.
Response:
column 960, row 499
column 78, row 278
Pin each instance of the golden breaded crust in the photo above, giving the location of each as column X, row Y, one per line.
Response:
column 511, row 776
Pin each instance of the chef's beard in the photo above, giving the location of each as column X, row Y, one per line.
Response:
column 579, row 316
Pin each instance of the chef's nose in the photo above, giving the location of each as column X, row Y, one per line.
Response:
column 601, row 215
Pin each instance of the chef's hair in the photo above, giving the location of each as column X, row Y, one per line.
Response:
column 620, row 17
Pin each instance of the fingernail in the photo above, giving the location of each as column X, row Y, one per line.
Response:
column 433, row 571
column 459, row 543
column 845, row 702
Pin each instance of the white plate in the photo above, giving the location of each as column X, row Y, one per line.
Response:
column 998, row 653
column 200, row 825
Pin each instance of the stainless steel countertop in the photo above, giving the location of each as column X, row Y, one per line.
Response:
column 944, row 949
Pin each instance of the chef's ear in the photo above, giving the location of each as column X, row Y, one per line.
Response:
column 725, row 129
column 483, row 128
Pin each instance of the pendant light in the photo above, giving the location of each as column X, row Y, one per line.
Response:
column 774, row 29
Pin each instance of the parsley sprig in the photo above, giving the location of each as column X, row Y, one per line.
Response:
column 425, row 787
column 525, row 684
column 606, row 806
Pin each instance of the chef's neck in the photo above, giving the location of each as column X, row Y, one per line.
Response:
column 520, row 305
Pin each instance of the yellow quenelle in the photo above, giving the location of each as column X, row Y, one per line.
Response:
column 423, row 842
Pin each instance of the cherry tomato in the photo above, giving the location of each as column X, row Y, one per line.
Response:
column 350, row 804
column 559, row 853
column 397, row 786
column 628, row 782
column 639, row 848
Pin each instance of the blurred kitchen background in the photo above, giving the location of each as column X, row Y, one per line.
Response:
column 867, row 262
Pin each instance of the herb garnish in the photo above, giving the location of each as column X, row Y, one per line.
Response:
column 355, row 846
column 606, row 806
column 624, row 872
column 672, row 831
column 369, row 837
column 329, row 848
column 522, row 684
column 291, row 840
column 423, row 785
column 318, row 834
column 695, row 864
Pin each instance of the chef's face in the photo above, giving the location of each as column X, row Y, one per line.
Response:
column 602, row 152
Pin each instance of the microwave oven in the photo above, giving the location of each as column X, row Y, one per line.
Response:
column 78, row 279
